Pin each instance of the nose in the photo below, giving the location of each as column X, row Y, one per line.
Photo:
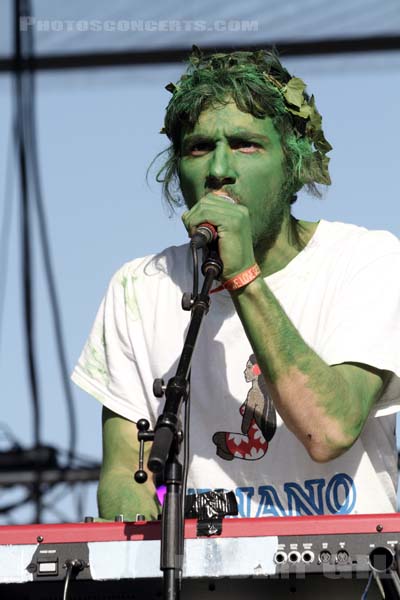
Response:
column 221, row 167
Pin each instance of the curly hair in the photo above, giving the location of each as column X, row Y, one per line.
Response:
column 254, row 81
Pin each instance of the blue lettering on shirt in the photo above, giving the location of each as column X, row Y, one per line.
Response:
column 337, row 495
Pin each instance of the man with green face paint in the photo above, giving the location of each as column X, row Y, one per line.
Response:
column 295, row 379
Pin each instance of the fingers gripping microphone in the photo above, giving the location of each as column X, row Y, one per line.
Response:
column 205, row 232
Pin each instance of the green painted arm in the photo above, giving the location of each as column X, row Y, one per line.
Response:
column 118, row 493
column 324, row 406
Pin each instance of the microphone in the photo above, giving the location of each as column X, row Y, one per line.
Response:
column 206, row 232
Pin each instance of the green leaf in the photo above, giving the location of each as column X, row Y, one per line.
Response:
column 294, row 92
column 303, row 112
column 315, row 117
column 321, row 163
column 170, row 87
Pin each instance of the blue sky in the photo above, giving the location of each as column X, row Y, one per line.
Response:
column 98, row 133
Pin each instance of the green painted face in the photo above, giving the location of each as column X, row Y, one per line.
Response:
column 237, row 153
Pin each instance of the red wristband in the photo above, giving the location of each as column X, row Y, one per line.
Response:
column 240, row 280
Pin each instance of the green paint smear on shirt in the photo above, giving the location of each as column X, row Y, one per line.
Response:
column 95, row 365
column 130, row 296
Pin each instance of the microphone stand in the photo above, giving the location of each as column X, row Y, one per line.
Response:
column 165, row 450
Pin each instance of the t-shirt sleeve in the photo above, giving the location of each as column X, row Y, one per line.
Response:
column 107, row 367
column 364, row 325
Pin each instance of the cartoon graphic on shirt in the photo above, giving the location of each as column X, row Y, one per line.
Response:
column 258, row 421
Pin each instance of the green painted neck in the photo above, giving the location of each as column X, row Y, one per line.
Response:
column 292, row 239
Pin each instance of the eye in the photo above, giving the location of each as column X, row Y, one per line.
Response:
column 200, row 149
column 245, row 146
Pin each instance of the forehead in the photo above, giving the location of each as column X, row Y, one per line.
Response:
column 229, row 120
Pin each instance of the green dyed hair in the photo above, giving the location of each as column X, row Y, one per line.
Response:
column 260, row 85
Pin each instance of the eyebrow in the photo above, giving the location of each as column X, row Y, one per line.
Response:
column 245, row 134
column 195, row 139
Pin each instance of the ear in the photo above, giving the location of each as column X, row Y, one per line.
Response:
column 256, row 370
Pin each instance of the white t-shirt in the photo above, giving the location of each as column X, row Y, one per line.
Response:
column 342, row 293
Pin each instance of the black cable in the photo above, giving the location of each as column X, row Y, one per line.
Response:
column 6, row 224
column 31, row 197
column 26, row 242
column 195, row 271
column 186, row 452
column 27, row 124
column 46, row 253
column 21, row 8
column 365, row 593
column 71, row 565
column 70, row 568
